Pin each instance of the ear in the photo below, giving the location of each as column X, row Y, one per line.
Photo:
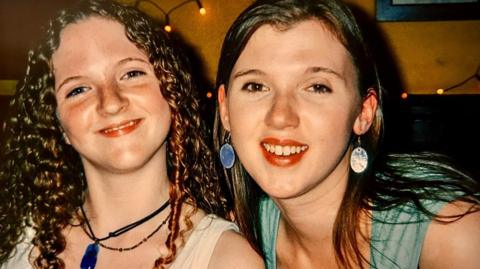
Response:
column 223, row 107
column 64, row 135
column 367, row 113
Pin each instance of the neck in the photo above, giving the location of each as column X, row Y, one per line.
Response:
column 117, row 199
column 309, row 219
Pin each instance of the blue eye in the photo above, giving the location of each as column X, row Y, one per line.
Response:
column 133, row 73
column 76, row 91
column 254, row 87
column 320, row 88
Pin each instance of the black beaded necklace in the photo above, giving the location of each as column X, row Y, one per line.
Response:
column 89, row 259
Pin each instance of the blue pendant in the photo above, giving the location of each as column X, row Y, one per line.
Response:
column 89, row 259
column 227, row 155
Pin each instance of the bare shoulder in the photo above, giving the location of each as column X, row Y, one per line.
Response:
column 455, row 244
column 234, row 251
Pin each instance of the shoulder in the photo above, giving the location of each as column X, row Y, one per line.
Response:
column 453, row 244
column 233, row 251
column 21, row 255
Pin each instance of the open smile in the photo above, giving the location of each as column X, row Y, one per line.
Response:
column 282, row 153
column 120, row 129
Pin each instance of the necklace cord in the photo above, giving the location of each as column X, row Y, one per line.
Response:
column 123, row 229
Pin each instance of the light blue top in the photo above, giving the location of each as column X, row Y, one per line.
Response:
column 397, row 234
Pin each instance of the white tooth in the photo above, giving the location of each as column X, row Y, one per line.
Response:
column 286, row 151
column 278, row 150
column 298, row 149
column 268, row 147
column 304, row 148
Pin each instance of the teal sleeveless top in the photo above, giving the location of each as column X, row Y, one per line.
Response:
column 397, row 234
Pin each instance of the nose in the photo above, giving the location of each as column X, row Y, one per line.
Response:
column 111, row 100
column 283, row 112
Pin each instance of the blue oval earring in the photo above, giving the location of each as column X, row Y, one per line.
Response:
column 227, row 154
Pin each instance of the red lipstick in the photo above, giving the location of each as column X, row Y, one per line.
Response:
column 123, row 128
column 282, row 152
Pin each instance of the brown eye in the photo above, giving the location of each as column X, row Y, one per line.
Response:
column 253, row 87
column 133, row 73
column 320, row 88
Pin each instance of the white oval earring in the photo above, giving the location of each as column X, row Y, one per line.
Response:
column 359, row 158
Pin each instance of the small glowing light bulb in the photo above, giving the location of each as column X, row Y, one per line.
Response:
column 168, row 28
column 209, row 94
column 404, row 95
column 440, row 91
column 202, row 11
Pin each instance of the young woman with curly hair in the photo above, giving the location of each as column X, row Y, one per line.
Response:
column 104, row 162
column 300, row 100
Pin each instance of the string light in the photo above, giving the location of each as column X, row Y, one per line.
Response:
column 201, row 9
column 209, row 94
column 167, row 27
column 475, row 76
column 404, row 95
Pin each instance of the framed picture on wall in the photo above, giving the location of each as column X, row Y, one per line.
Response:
column 427, row 10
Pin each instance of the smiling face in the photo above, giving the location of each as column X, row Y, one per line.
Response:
column 291, row 105
column 109, row 100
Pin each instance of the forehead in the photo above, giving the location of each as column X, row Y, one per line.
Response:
column 306, row 43
column 92, row 37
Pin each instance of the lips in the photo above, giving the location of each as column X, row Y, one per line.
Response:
column 123, row 128
column 282, row 152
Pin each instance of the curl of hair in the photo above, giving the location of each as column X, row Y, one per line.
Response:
column 42, row 177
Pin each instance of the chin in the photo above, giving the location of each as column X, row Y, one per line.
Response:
column 281, row 188
column 123, row 163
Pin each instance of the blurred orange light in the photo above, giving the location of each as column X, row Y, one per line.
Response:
column 168, row 28
column 440, row 91
column 209, row 94
column 404, row 95
column 202, row 11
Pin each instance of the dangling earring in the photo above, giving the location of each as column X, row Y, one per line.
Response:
column 227, row 154
column 359, row 158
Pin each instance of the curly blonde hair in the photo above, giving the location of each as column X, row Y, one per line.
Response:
column 41, row 177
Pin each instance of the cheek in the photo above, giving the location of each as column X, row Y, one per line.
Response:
column 158, row 107
column 73, row 118
column 327, row 121
column 243, row 117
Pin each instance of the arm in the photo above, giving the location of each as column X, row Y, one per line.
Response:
column 234, row 252
column 453, row 245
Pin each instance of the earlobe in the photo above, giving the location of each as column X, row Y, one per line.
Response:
column 64, row 135
column 367, row 113
column 223, row 107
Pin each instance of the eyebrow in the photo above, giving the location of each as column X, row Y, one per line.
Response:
column 248, row 72
column 321, row 69
column 125, row 60
column 132, row 59
column 65, row 81
column 309, row 70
